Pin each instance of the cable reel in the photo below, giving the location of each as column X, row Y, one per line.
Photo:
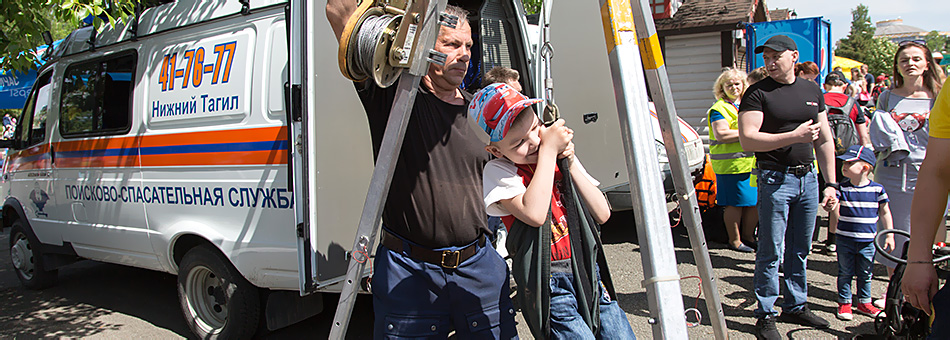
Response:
column 380, row 38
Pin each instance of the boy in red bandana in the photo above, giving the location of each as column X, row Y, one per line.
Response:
column 521, row 187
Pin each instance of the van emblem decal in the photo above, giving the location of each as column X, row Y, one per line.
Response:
column 39, row 198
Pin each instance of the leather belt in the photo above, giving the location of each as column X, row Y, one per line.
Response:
column 797, row 170
column 443, row 258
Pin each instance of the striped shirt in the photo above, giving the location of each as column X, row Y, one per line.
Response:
column 858, row 209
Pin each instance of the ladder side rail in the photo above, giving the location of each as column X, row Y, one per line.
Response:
column 685, row 192
column 658, row 257
column 385, row 165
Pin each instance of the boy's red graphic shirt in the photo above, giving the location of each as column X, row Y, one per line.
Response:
column 560, row 243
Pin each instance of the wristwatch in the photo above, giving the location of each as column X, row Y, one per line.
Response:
column 833, row 185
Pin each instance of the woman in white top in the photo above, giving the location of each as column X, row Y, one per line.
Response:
column 899, row 131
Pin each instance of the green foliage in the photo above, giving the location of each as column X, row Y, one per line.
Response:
column 860, row 43
column 22, row 23
column 531, row 6
column 880, row 56
column 11, row 112
column 862, row 46
column 936, row 42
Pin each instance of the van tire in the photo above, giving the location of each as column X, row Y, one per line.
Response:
column 217, row 301
column 27, row 259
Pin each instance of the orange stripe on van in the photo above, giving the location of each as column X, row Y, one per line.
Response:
column 217, row 158
column 32, row 158
column 255, row 146
column 223, row 136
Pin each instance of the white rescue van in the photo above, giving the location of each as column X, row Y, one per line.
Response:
column 164, row 144
column 165, row 147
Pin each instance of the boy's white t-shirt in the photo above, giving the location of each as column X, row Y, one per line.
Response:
column 500, row 181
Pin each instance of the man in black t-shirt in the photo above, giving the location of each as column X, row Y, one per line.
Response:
column 433, row 272
column 782, row 119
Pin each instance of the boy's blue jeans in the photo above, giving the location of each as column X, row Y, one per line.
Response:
column 855, row 258
column 566, row 323
column 788, row 206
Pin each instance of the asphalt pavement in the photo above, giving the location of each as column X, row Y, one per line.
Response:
column 105, row 301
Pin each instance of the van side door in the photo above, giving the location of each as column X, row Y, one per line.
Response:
column 96, row 161
column 29, row 161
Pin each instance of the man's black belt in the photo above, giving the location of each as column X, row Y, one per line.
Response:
column 443, row 258
column 797, row 170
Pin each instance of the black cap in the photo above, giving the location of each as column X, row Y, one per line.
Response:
column 834, row 79
column 778, row 43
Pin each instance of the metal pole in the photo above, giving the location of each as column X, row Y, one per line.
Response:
column 385, row 165
column 301, row 165
column 685, row 192
column 661, row 278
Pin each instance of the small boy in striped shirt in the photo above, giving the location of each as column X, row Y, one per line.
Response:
column 861, row 203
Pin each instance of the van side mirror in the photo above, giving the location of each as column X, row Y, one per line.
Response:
column 48, row 39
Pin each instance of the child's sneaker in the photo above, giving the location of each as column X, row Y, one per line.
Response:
column 869, row 309
column 879, row 303
column 844, row 312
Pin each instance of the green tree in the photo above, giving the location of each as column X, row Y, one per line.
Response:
column 22, row 23
column 935, row 42
column 531, row 6
column 859, row 43
column 880, row 56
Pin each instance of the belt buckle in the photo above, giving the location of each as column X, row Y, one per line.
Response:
column 450, row 254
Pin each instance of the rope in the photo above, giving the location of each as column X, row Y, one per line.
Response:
column 679, row 215
column 695, row 309
column 366, row 41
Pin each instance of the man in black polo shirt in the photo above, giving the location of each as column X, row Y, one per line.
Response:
column 782, row 118
column 433, row 272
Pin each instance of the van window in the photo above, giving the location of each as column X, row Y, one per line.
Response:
column 31, row 129
column 97, row 95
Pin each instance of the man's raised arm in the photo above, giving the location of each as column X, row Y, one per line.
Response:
column 338, row 12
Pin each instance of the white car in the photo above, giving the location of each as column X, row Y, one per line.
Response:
column 585, row 98
column 619, row 195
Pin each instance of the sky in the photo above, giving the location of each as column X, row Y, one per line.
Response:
column 925, row 14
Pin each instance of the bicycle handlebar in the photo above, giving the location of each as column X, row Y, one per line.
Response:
column 943, row 251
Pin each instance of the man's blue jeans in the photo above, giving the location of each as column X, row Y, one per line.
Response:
column 415, row 299
column 788, row 206
column 855, row 258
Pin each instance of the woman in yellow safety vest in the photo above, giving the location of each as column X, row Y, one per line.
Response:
column 732, row 164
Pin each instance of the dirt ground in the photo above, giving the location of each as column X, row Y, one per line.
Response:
column 98, row 300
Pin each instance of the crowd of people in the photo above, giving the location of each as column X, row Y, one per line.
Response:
column 767, row 138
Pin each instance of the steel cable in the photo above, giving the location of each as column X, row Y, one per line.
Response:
column 366, row 42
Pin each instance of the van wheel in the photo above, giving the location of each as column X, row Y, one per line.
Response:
column 28, row 259
column 217, row 301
